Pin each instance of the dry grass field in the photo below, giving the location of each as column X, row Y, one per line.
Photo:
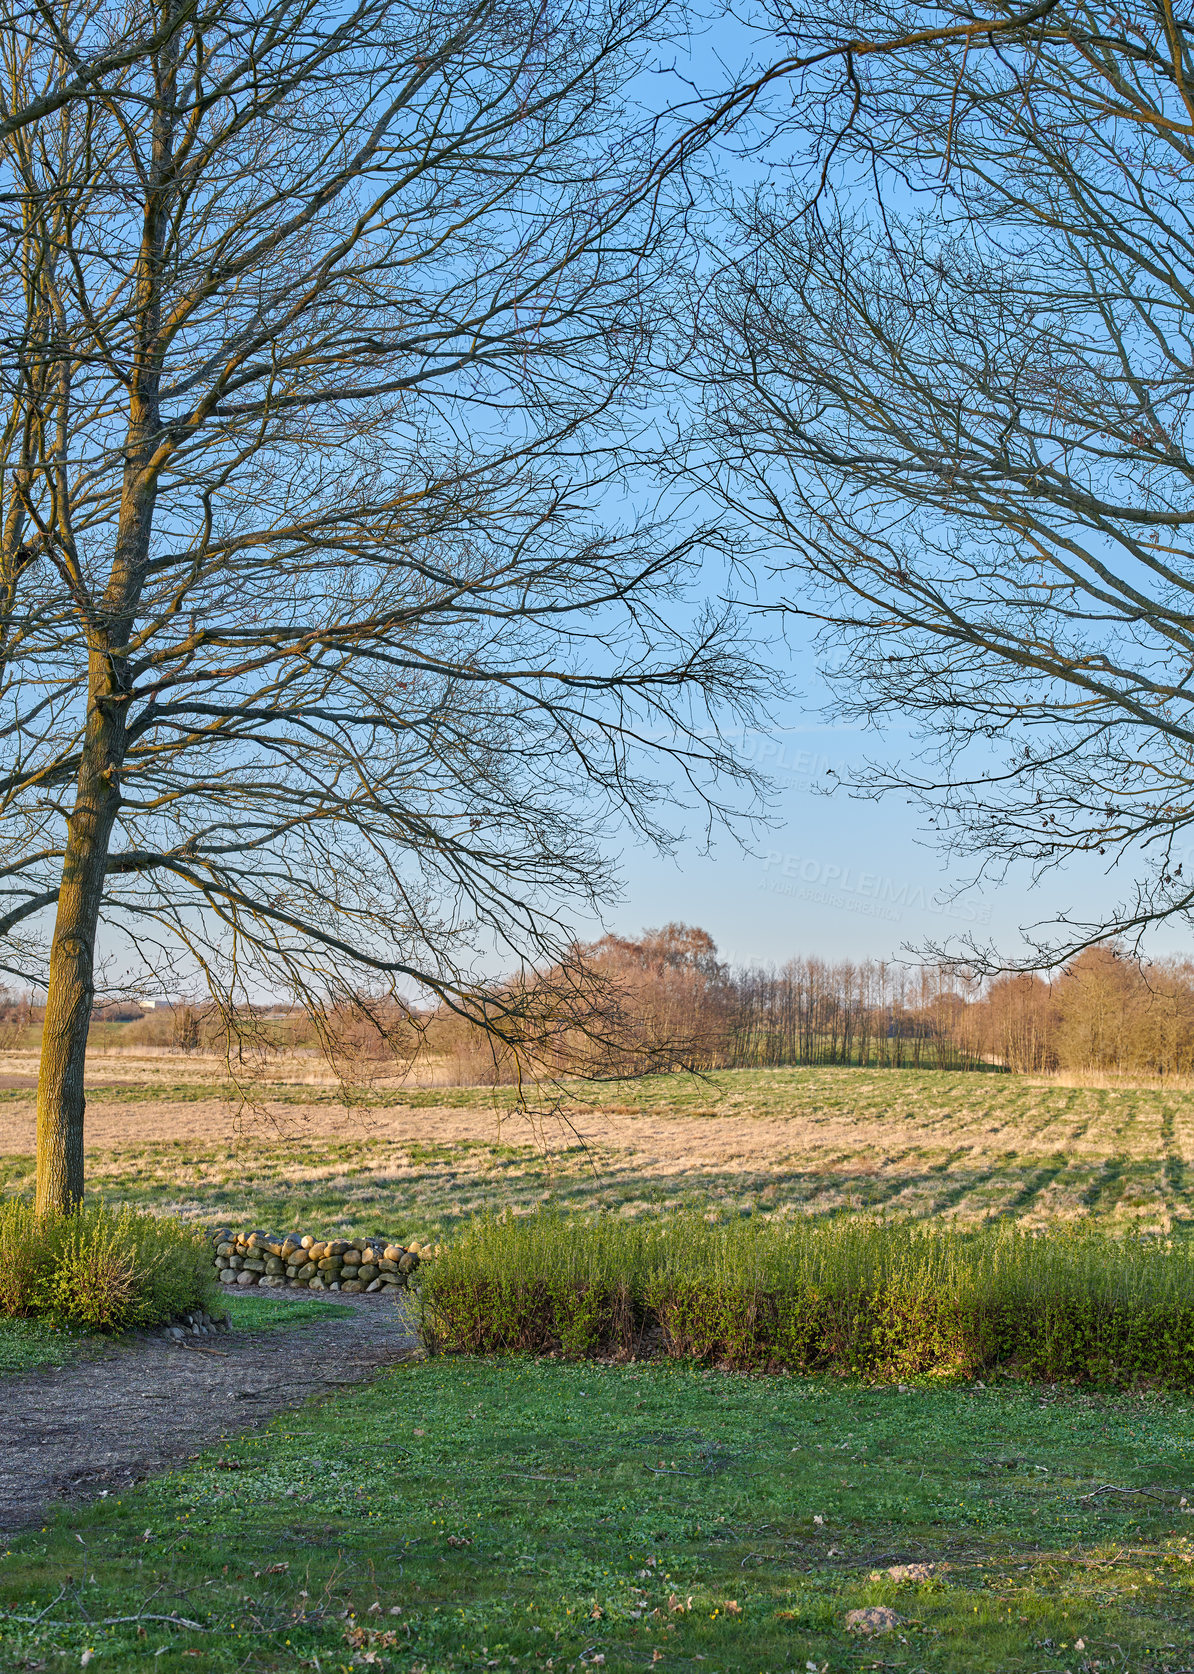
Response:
column 167, row 1130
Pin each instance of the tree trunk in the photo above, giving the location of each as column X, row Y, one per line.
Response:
column 60, row 1100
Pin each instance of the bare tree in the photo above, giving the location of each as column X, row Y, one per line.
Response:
column 77, row 54
column 319, row 669
column 946, row 380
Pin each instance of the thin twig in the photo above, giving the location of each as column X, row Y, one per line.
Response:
column 32, row 1620
column 114, row 1621
column 1110, row 1488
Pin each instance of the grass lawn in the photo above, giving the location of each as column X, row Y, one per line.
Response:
column 28, row 1343
column 267, row 1313
column 461, row 1514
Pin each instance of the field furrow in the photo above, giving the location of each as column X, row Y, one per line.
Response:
column 924, row 1144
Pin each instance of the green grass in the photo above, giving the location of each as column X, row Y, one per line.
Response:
column 265, row 1313
column 537, row 1515
column 26, row 1344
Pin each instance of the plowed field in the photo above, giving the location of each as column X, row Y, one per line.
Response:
column 169, row 1131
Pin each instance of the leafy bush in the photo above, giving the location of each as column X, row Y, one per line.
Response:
column 105, row 1269
column 850, row 1295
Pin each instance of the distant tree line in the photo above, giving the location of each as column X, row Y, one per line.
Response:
column 672, row 1004
column 667, row 1002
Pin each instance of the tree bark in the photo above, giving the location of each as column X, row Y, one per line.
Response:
column 71, row 992
column 60, row 1098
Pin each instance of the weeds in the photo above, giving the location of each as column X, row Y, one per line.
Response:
column 850, row 1295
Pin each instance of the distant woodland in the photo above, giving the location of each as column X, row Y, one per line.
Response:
column 1104, row 1011
column 666, row 1001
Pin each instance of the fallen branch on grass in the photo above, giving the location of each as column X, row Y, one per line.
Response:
column 175, row 1621
column 1110, row 1488
column 116, row 1621
column 33, row 1620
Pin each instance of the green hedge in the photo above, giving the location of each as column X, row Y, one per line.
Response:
column 105, row 1269
column 847, row 1295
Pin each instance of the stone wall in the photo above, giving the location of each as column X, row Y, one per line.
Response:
column 301, row 1262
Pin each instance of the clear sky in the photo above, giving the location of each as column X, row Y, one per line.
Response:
column 845, row 878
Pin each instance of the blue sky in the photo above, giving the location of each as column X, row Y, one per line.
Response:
column 843, row 878
column 835, row 876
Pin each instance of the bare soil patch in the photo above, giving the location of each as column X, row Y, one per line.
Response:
column 132, row 1410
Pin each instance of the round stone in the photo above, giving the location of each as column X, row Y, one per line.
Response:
column 228, row 1277
column 352, row 1285
column 246, row 1278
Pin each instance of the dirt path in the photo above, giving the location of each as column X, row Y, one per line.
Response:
column 103, row 1423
